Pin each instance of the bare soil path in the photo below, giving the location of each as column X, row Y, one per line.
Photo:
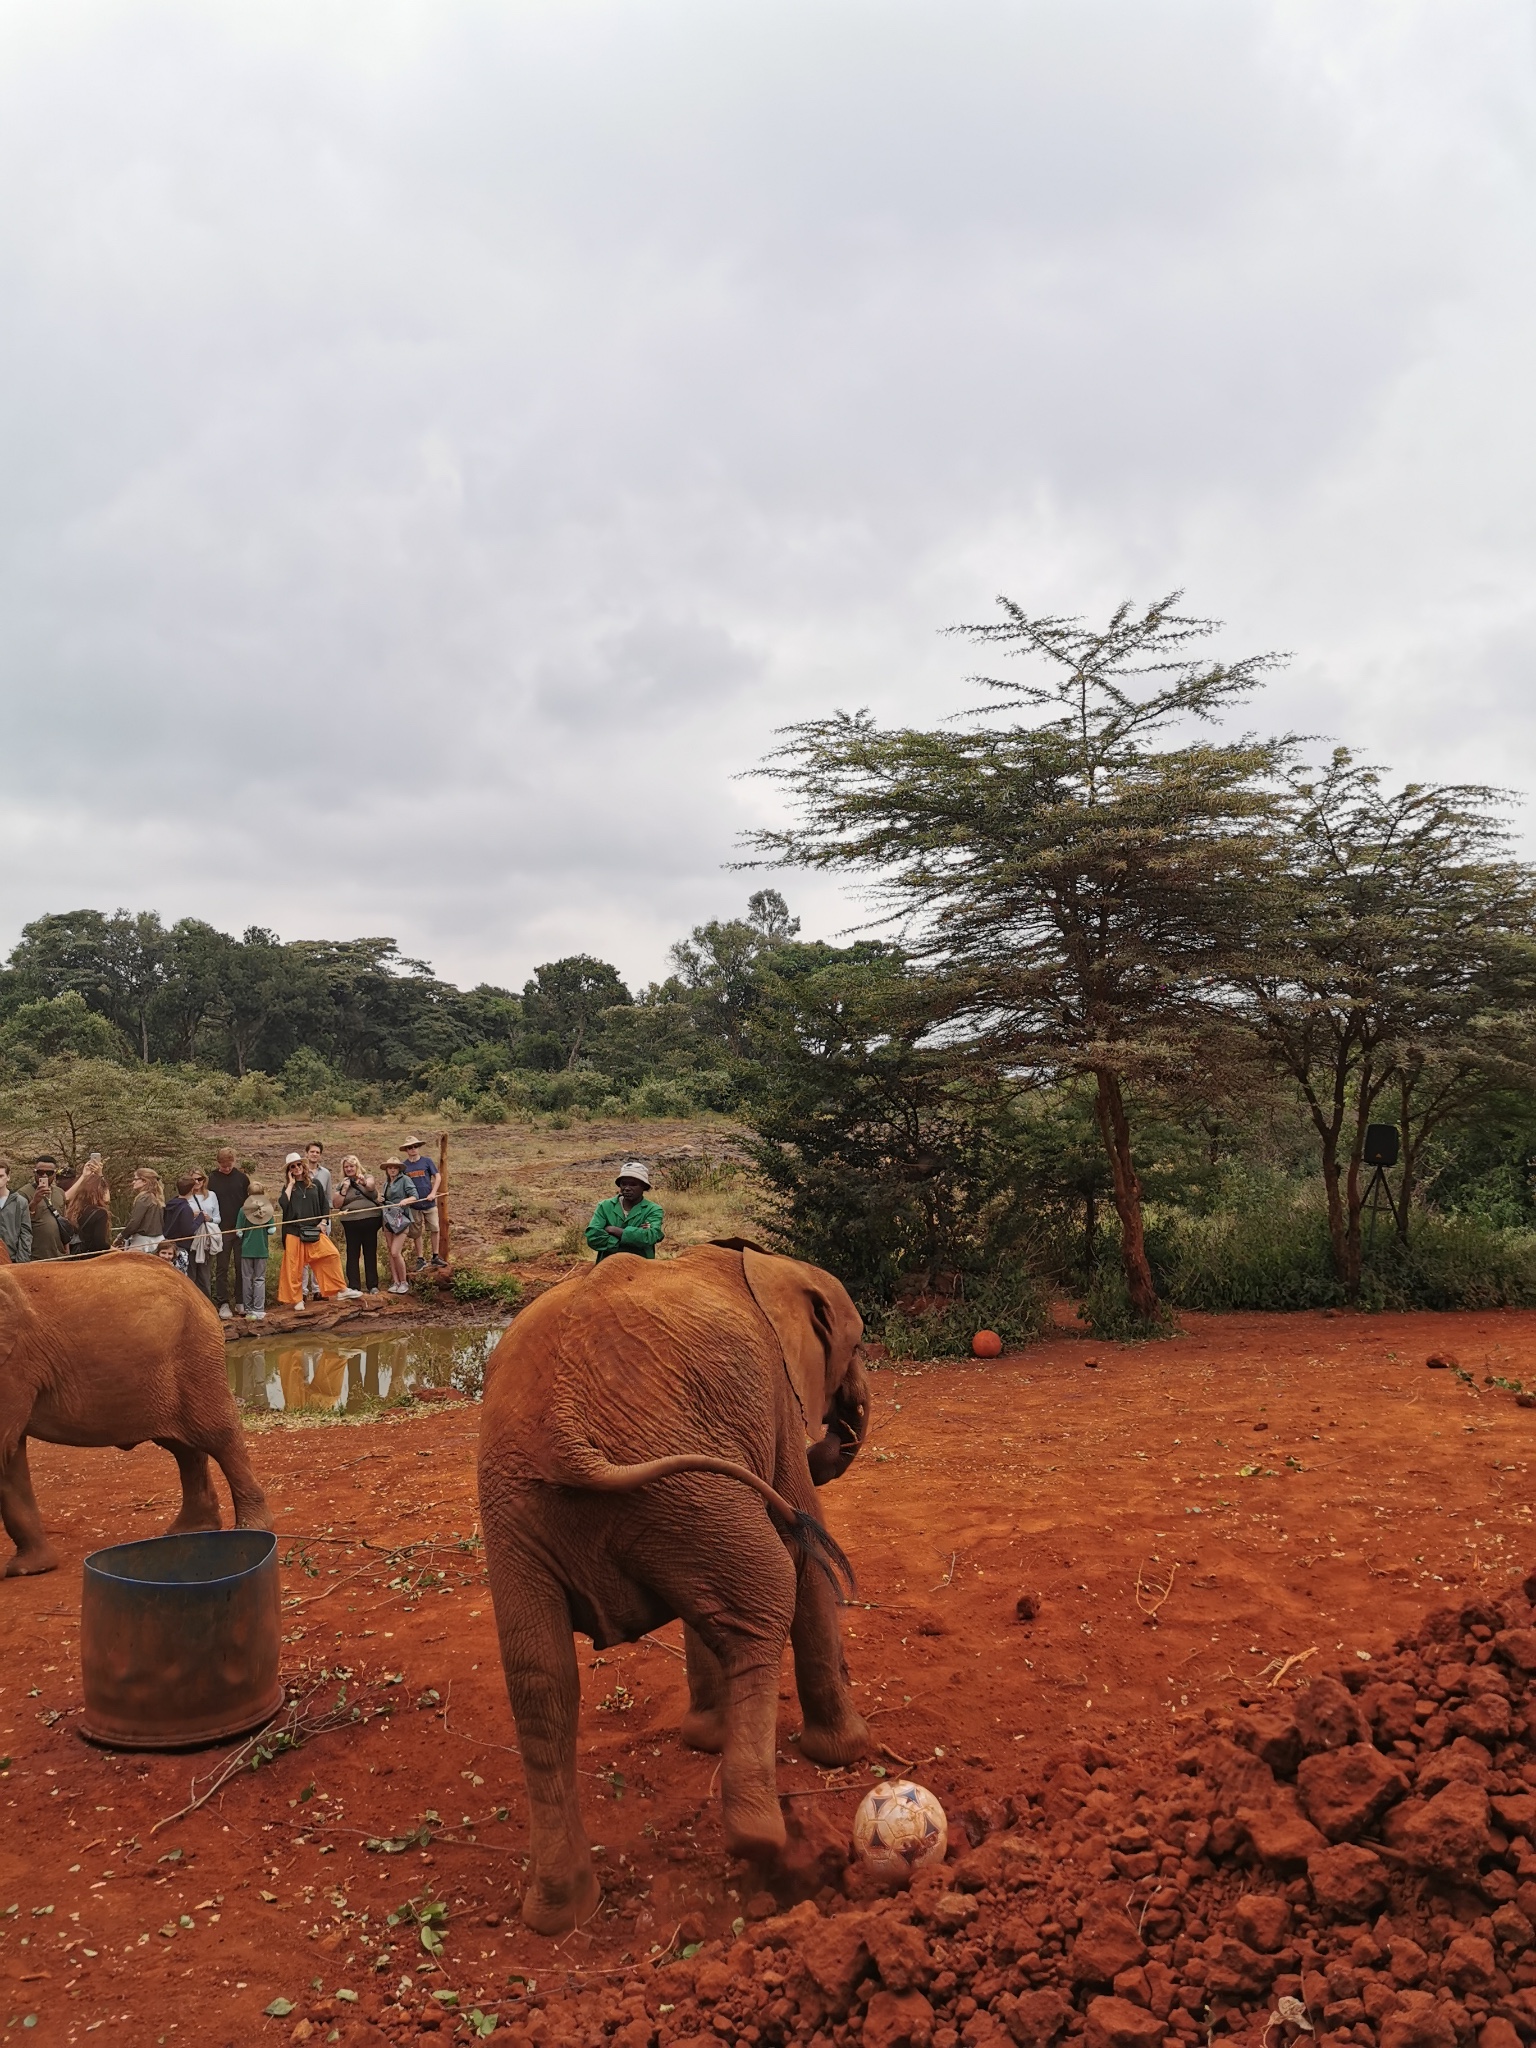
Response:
column 1274, row 1486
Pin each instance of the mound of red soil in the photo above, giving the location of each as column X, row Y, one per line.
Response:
column 1356, row 1863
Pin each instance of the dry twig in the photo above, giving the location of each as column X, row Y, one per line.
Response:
column 1148, row 1590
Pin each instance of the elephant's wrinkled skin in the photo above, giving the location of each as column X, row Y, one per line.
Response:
column 602, row 1401
column 115, row 1350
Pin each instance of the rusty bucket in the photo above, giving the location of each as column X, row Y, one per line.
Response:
column 180, row 1639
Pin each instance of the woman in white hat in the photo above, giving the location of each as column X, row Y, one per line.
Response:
column 628, row 1221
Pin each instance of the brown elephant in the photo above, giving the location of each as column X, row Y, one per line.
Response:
column 651, row 1442
column 115, row 1350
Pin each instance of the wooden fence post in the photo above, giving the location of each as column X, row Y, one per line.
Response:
column 443, row 1251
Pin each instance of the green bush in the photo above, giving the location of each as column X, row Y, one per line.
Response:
column 1264, row 1245
column 470, row 1284
column 699, row 1174
column 1013, row 1304
column 658, row 1098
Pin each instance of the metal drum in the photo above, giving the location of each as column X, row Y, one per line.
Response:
column 180, row 1639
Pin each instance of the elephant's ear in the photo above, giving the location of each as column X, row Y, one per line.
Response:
column 816, row 1324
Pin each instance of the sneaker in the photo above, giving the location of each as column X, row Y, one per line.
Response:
column 257, row 1315
column 439, row 1262
column 421, row 1265
column 224, row 1313
column 240, row 1311
column 350, row 1294
column 401, row 1287
column 301, row 1308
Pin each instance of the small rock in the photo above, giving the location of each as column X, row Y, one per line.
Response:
column 1497, row 2033
column 1116, row 2023
column 1327, row 1717
column 1280, row 1833
column 1407, row 1962
column 1513, row 1929
column 762, row 1906
column 1517, row 1646
column 1440, row 1361
column 897, row 2020
column 951, row 1911
column 1106, row 1945
column 1272, row 1738
column 1348, row 1881
column 1447, row 1835
column 1420, row 2021
column 1262, row 1921
column 1345, row 1790
column 1485, row 1719
column 1037, row 2017
column 1027, row 1606
column 1468, row 1965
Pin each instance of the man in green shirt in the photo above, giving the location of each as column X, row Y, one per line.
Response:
column 628, row 1221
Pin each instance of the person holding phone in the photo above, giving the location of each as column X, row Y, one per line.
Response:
column 357, row 1201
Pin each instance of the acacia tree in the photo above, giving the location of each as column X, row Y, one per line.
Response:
column 1396, row 968
column 1086, row 893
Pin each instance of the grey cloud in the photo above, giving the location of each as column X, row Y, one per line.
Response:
column 517, row 414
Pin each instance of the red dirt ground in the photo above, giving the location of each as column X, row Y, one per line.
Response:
column 1295, row 1483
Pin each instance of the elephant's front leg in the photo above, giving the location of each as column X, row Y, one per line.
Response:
column 538, row 1655
column 23, row 1524
column 704, row 1723
column 834, row 1732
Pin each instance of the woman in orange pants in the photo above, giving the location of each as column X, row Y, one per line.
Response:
column 303, row 1206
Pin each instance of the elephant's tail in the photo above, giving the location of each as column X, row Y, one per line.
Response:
column 585, row 1466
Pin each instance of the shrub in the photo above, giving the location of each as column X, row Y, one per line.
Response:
column 659, row 1098
column 470, row 1284
column 1264, row 1245
column 699, row 1174
column 1014, row 1304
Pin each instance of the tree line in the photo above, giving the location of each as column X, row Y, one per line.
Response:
column 1130, row 997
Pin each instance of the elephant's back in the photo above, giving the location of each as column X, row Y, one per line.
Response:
column 121, row 1299
column 641, row 1357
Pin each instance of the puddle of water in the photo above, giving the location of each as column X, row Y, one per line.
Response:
column 352, row 1378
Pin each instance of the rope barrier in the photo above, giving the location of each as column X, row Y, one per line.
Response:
column 282, row 1224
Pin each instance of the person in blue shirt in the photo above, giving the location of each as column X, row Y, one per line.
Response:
column 426, row 1180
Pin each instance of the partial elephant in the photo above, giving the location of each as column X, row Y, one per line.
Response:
column 116, row 1350
column 650, row 1445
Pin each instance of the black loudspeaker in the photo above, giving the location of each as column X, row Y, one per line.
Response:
column 1381, row 1143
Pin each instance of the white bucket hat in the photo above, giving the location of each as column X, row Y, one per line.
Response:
column 634, row 1169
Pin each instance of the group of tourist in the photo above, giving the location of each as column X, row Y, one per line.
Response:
column 217, row 1227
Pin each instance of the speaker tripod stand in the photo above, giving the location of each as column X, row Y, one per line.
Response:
column 1375, row 1188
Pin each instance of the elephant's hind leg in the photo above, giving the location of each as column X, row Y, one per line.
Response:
column 704, row 1723
column 199, row 1502
column 227, row 1449
column 834, row 1732
column 538, row 1655
column 23, row 1524
column 740, row 1603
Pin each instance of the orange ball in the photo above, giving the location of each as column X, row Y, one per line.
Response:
column 986, row 1344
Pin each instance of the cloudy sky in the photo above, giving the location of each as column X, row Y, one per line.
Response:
column 439, row 443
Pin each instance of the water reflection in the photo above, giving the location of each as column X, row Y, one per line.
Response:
column 342, row 1377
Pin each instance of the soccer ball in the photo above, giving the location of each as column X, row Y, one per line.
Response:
column 898, row 1828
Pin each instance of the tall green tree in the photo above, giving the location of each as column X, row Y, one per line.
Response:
column 563, row 1006
column 720, row 966
column 894, row 1159
column 116, row 964
column 1396, row 976
column 1087, row 891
